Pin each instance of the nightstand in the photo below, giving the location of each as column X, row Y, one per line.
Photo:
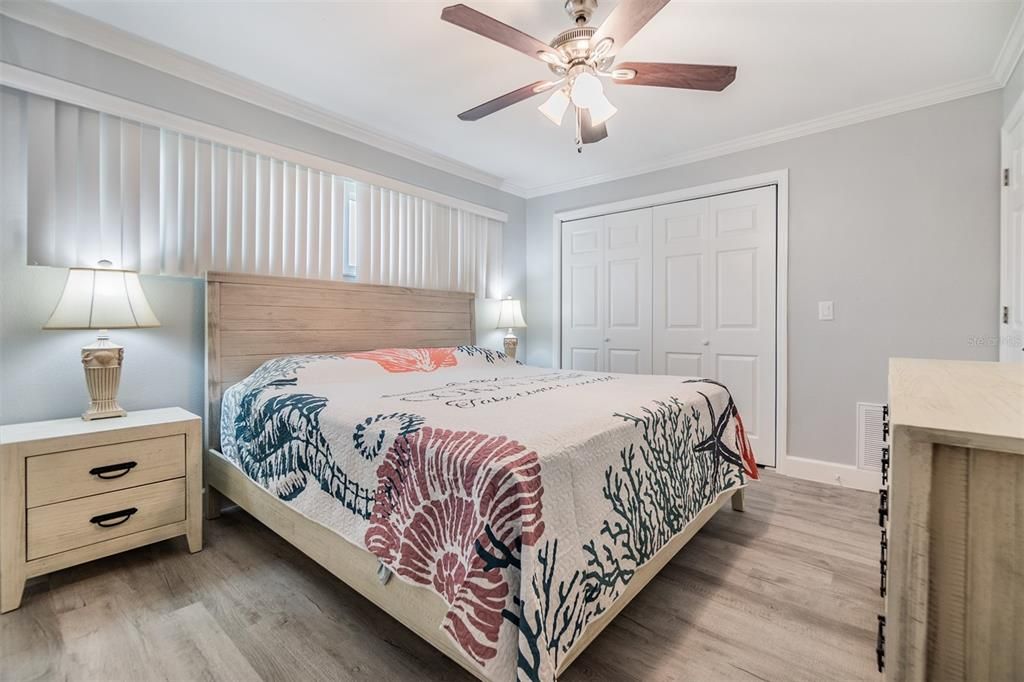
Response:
column 72, row 491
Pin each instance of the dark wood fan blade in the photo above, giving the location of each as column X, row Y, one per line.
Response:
column 625, row 20
column 689, row 76
column 589, row 133
column 478, row 22
column 506, row 100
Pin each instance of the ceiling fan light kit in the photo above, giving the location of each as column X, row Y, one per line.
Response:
column 578, row 56
column 554, row 107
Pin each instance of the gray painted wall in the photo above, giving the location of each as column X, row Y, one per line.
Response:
column 896, row 220
column 40, row 374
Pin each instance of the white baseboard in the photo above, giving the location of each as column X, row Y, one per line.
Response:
column 828, row 472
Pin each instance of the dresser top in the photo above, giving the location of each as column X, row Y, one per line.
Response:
column 958, row 397
column 76, row 426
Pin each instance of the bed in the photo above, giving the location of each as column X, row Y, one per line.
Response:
column 504, row 513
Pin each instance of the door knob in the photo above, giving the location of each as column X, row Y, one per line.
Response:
column 606, row 339
column 705, row 342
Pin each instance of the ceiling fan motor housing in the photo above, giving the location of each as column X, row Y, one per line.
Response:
column 580, row 11
column 574, row 46
column 574, row 42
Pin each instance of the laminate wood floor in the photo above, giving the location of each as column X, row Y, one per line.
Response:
column 787, row 590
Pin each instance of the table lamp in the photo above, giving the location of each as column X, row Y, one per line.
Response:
column 511, row 315
column 102, row 298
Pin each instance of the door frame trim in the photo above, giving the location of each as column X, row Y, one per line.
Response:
column 1002, row 331
column 779, row 178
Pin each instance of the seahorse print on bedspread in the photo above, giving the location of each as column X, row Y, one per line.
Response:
column 280, row 446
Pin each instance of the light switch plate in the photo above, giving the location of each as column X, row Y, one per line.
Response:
column 825, row 310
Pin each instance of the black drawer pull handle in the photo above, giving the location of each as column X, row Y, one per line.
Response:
column 880, row 645
column 883, row 564
column 124, row 515
column 123, row 468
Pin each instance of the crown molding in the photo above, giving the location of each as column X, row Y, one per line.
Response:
column 1011, row 51
column 78, row 27
column 974, row 86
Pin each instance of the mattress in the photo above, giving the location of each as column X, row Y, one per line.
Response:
column 525, row 497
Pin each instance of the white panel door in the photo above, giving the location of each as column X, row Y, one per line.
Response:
column 606, row 293
column 682, row 295
column 1011, row 321
column 582, row 287
column 627, row 295
column 714, row 301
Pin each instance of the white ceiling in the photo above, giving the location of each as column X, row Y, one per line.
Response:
column 397, row 69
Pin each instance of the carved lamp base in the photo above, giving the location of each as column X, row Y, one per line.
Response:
column 511, row 344
column 102, row 362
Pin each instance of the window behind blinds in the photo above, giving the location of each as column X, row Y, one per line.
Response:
column 145, row 198
column 405, row 240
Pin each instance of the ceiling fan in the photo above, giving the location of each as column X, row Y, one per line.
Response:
column 580, row 57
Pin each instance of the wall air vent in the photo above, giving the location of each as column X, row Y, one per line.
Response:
column 869, row 436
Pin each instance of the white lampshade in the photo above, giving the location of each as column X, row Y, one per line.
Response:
column 601, row 110
column 555, row 106
column 102, row 299
column 511, row 314
column 586, row 89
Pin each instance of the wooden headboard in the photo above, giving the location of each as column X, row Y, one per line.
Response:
column 253, row 318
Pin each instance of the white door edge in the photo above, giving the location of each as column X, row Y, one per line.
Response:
column 1009, row 337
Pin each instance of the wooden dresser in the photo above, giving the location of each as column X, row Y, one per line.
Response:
column 952, row 518
column 72, row 491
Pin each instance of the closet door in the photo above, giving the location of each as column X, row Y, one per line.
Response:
column 714, row 301
column 582, row 287
column 683, row 295
column 606, row 293
column 627, row 295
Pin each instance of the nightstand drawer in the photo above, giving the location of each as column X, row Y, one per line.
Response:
column 86, row 521
column 61, row 476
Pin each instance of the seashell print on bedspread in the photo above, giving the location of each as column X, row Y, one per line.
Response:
column 453, row 510
column 526, row 498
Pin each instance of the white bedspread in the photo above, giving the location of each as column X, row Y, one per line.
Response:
column 525, row 497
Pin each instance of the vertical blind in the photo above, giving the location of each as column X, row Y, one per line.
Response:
column 410, row 241
column 154, row 200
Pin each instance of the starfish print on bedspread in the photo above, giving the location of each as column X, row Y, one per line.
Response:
column 714, row 442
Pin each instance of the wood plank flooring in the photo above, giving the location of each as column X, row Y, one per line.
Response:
column 787, row 590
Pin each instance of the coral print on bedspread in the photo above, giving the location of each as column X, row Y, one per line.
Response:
column 525, row 498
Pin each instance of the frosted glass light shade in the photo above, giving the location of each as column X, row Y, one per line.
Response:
column 555, row 106
column 586, row 89
column 510, row 315
column 102, row 299
column 601, row 110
